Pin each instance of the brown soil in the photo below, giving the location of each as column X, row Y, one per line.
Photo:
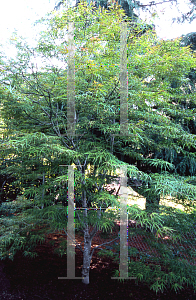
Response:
column 32, row 279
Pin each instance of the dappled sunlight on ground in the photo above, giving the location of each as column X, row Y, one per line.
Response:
column 135, row 198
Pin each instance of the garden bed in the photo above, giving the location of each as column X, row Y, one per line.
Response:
column 37, row 278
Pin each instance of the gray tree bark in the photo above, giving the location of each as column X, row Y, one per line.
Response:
column 86, row 257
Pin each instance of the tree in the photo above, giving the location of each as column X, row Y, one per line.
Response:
column 160, row 150
column 130, row 5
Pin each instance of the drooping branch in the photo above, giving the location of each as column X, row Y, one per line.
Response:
column 98, row 247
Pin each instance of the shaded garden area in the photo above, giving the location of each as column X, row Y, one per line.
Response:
column 37, row 278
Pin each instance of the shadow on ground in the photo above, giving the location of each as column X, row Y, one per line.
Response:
column 32, row 279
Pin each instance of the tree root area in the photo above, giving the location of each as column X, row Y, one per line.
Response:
column 37, row 278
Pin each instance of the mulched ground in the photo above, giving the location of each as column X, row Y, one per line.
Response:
column 32, row 279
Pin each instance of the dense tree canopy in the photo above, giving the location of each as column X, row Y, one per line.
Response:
column 151, row 6
column 160, row 148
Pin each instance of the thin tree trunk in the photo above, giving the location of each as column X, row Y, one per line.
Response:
column 88, row 237
column 43, row 191
column 112, row 140
column 86, row 257
column 87, row 240
column 1, row 191
column 152, row 197
column 152, row 201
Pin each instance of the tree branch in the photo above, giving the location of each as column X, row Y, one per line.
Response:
column 152, row 3
column 113, row 89
column 97, row 247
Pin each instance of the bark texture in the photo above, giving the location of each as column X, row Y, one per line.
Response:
column 86, row 258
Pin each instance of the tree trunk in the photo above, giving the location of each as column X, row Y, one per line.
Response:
column 152, row 197
column 43, row 191
column 86, row 257
column 87, row 239
column 152, row 201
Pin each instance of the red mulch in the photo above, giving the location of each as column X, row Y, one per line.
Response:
column 32, row 279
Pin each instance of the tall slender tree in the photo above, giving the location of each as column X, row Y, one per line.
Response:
column 159, row 151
